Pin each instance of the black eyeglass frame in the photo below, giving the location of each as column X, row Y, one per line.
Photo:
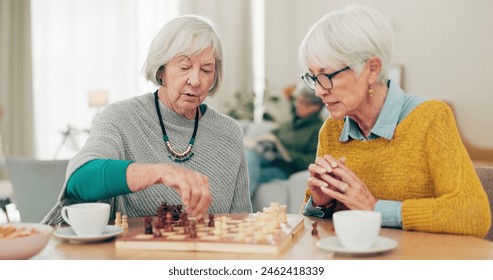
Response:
column 305, row 77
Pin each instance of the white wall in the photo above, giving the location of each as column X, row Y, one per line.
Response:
column 444, row 47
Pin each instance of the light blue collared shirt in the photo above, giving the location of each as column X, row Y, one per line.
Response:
column 397, row 106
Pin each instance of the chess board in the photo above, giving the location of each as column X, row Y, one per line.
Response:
column 234, row 238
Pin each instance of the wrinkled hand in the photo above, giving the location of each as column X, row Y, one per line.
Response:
column 332, row 179
column 193, row 187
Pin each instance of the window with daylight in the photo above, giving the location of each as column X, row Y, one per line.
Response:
column 90, row 53
column 85, row 57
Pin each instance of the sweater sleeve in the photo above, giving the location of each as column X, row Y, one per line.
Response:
column 99, row 179
column 460, row 204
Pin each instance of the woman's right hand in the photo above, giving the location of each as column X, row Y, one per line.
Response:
column 193, row 187
column 320, row 173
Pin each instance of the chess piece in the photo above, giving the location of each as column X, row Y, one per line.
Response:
column 284, row 217
column 168, row 220
column 218, row 231
column 184, row 217
column 124, row 222
column 148, row 225
column 314, row 230
column 118, row 219
column 211, row 220
column 224, row 223
column 176, row 212
column 165, row 206
column 193, row 230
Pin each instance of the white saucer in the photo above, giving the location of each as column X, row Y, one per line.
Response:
column 67, row 233
column 332, row 244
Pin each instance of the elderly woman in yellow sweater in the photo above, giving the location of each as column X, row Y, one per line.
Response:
column 382, row 149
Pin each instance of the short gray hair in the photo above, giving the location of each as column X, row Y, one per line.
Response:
column 185, row 35
column 349, row 37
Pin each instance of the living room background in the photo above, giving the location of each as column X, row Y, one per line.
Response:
column 442, row 46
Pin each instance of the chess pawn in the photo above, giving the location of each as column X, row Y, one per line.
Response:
column 224, row 222
column 118, row 219
column 224, row 225
column 284, row 217
column 193, row 232
column 211, row 220
column 124, row 222
column 314, row 230
column 148, row 225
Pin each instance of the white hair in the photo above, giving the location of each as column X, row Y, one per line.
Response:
column 349, row 37
column 185, row 35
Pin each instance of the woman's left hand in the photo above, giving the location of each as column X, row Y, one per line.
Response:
column 352, row 191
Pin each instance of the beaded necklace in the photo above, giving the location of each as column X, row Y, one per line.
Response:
column 177, row 156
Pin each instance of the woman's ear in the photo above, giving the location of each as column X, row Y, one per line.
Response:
column 159, row 75
column 374, row 66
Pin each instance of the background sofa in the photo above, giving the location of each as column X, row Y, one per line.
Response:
column 290, row 192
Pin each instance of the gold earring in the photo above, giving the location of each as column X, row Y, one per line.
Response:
column 370, row 91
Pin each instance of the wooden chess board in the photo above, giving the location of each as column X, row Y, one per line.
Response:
column 234, row 238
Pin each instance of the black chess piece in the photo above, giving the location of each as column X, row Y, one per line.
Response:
column 148, row 225
column 211, row 220
column 314, row 230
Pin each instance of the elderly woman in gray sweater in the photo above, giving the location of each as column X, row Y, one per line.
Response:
column 165, row 146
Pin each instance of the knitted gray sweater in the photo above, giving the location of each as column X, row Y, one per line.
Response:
column 129, row 130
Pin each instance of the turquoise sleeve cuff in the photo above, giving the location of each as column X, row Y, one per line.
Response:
column 99, row 179
column 317, row 211
column 391, row 213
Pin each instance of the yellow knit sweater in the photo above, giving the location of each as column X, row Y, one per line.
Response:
column 425, row 165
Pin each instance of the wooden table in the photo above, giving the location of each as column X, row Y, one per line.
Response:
column 412, row 245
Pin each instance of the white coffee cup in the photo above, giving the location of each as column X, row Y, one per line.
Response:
column 87, row 219
column 357, row 229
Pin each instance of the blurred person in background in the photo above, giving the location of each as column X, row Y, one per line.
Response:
column 289, row 148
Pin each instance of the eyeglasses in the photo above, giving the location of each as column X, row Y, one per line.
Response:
column 324, row 80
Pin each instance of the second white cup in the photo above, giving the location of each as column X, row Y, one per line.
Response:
column 87, row 219
column 357, row 229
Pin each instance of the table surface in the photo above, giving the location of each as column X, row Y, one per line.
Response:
column 411, row 245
